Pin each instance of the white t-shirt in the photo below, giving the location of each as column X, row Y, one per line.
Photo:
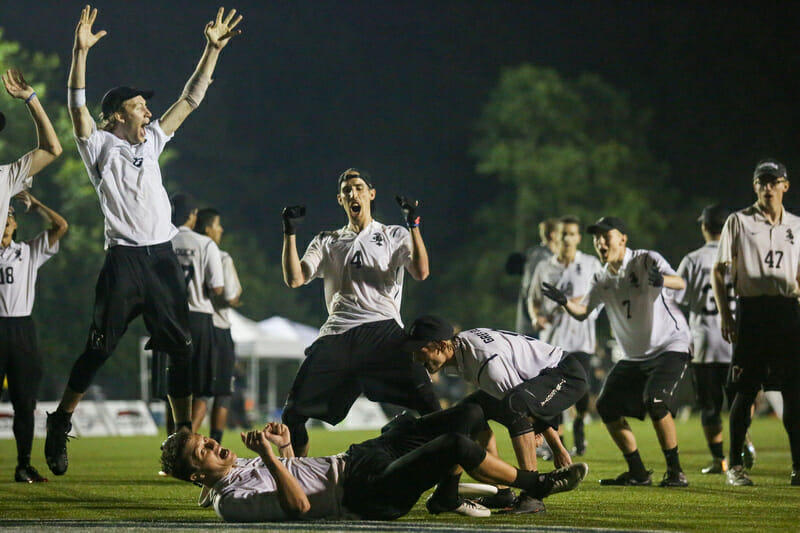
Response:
column 128, row 182
column 646, row 320
column 14, row 178
column 19, row 265
column 708, row 346
column 231, row 289
column 764, row 259
column 497, row 361
column 363, row 274
column 249, row 492
column 573, row 280
column 202, row 267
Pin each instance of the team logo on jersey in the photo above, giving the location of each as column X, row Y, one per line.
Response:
column 578, row 269
column 634, row 279
column 378, row 239
column 789, row 235
column 137, row 161
column 567, row 288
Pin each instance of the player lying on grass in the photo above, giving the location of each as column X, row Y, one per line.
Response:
column 523, row 383
column 378, row 479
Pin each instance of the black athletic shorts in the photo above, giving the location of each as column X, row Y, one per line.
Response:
column 710, row 386
column 20, row 360
column 204, row 365
column 767, row 352
column 225, row 356
column 367, row 358
column 631, row 384
column 146, row 280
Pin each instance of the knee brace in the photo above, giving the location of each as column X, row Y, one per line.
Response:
column 467, row 453
column 515, row 417
column 656, row 409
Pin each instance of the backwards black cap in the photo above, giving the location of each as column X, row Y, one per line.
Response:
column 114, row 98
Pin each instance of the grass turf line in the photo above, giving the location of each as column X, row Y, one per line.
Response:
column 115, row 479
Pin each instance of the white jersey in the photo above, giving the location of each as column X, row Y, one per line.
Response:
column 497, row 361
column 708, row 346
column 231, row 289
column 202, row 267
column 363, row 274
column 573, row 280
column 14, row 178
column 764, row 259
column 249, row 492
column 128, row 182
column 19, row 265
column 646, row 320
column 533, row 257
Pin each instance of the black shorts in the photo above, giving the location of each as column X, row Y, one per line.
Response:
column 710, row 386
column 631, row 385
column 225, row 356
column 20, row 360
column 767, row 352
column 146, row 280
column 367, row 358
column 204, row 368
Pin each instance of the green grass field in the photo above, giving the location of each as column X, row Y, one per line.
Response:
column 115, row 479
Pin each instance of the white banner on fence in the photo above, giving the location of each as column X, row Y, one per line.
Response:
column 91, row 419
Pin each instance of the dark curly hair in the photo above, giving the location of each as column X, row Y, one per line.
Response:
column 205, row 217
column 174, row 459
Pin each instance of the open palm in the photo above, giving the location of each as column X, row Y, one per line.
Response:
column 219, row 32
column 16, row 84
column 84, row 38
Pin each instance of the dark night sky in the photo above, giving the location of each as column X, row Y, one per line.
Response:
column 311, row 88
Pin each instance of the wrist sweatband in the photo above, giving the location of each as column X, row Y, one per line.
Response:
column 76, row 97
column 28, row 99
column 285, row 446
column 195, row 89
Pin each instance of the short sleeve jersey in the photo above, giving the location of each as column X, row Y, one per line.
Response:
column 534, row 256
column 708, row 346
column 363, row 274
column 646, row 320
column 19, row 266
column 14, row 178
column 497, row 361
column 764, row 259
column 202, row 267
column 573, row 280
column 249, row 492
column 127, row 178
column 231, row 289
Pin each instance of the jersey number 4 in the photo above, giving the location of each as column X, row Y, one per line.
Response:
column 6, row 275
column 357, row 261
column 773, row 259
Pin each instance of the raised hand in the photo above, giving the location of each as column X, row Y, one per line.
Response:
column 655, row 277
column 219, row 32
column 258, row 442
column 552, row 292
column 278, row 434
column 409, row 208
column 84, row 38
column 16, row 84
column 292, row 216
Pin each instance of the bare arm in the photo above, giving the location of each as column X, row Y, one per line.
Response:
column 561, row 456
column 47, row 147
column 84, row 40
column 727, row 322
column 218, row 34
column 58, row 225
column 674, row 282
column 295, row 274
column 419, row 267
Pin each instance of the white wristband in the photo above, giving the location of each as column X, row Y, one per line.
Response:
column 76, row 98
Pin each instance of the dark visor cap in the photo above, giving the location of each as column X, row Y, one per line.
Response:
column 605, row 224
column 427, row 329
column 114, row 98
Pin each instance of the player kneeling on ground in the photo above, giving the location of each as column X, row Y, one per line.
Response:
column 379, row 479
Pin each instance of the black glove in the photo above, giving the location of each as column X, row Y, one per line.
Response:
column 655, row 277
column 292, row 216
column 409, row 208
column 554, row 294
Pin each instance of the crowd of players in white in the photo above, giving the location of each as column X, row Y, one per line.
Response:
column 178, row 279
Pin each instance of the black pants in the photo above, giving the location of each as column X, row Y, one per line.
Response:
column 21, row 363
column 384, row 477
column 147, row 281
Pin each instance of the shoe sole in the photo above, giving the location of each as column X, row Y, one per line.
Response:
column 579, row 470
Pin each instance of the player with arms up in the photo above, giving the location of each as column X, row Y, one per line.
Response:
column 359, row 347
column 141, row 274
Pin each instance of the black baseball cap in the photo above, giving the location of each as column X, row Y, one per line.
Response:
column 769, row 167
column 714, row 217
column 425, row 329
column 348, row 174
column 605, row 224
column 114, row 98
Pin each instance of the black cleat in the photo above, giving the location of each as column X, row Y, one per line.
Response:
column 748, row 454
column 795, row 482
column 504, row 498
column 55, row 445
column 626, row 479
column 525, row 504
column 28, row 474
column 674, row 478
column 567, row 478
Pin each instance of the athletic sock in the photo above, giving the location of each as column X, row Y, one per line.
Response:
column 532, row 482
column 216, row 434
column 185, row 424
column 577, row 431
column 635, row 465
column 716, row 450
column 23, row 460
column 673, row 462
column 446, row 492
